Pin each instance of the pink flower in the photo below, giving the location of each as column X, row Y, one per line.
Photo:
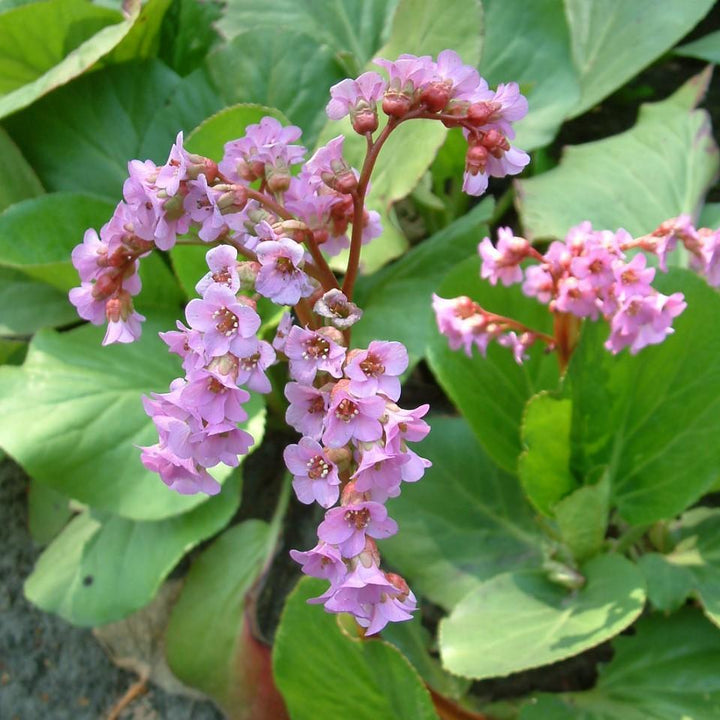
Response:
column 462, row 322
column 503, row 262
column 308, row 407
column 280, row 277
column 311, row 352
column 358, row 98
column 328, row 166
column 338, row 309
column 315, row 476
column 227, row 325
column 347, row 526
column 222, row 261
column 377, row 369
column 352, row 417
column 324, row 561
column 182, row 475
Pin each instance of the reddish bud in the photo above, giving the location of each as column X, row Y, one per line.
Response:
column 476, row 159
column 365, row 121
column 435, row 96
column 105, row 285
column 396, row 104
column 345, row 182
column 480, row 112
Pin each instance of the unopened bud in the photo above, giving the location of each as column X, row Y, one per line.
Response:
column 278, row 179
column 435, row 96
column 333, row 334
column 365, row 121
column 399, row 583
column 105, row 285
column 396, row 104
column 476, row 159
column 247, row 272
column 199, row 165
column 341, row 457
column 345, row 182
column 480, row 112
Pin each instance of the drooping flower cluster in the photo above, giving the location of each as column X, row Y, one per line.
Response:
column 354, row 448
column 221, row 355
column 271, row 225
column 588, row 275
column 447, row 90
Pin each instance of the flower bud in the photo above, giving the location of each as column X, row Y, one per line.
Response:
column 365, row 121
column 435, row 96
column 396, row 104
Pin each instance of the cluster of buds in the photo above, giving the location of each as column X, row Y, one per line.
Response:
column 445, row 90
column 588, row 275
column 354, row 448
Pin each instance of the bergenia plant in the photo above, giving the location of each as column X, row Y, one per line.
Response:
column 272, row 218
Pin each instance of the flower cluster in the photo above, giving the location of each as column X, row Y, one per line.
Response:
column 354, row 448
column 221, row 355
column 449, row 91
column 587, row 275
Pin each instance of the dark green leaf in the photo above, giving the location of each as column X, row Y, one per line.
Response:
column 706, row 48
column 668, row 584
column 48, row 512
column 653, row 417
column 18, row 180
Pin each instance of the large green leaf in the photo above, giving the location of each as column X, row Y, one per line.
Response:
column 492, row 392
column 204, row 640
column 102, row 567
column 27, row 305
column 17, row 179
column 521, row 620
column 282, row 68
column 656, row 170
column 529, row 43
column 612, row 40
column 81, row 137
column 463, row 523
column 544, row 466
column 706, row 48
column 396, row 299
column 72, row 415
column 143, row 40
column 37, row 235
column 48, row 512
column 669, row 669
column 352, row 30
column 653, row 417
column 46, row 44
column 322, row 672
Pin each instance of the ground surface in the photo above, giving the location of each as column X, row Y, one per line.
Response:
column 50, row 670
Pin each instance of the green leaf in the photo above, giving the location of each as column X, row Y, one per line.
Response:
column 396, row 300
column 345, row 26
column 612, row 40
column 427, row 27
column 465, row 522
column 544, row 466
column 188, row 34
column 203, row 640
column 710, row 216
column 706, row 48
column 81, row 137
column 582, row 518
column 322, row 672
column 46, row 44
column 103, row 567
column 27, row 306
column 669, row 669
column 143, row 40
column 299, row 81
column 519, row 621
column 697, row 556
column 652, row 417
column 529, row 43
column 210, row 136
column 37, row 235
column 192, row 101
column 48, row 512
column 668, row 584
column 17, row 179
column 492, row 392
column 72, row 415
column 658, row 169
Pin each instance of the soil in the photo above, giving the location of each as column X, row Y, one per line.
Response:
column 50, row 670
